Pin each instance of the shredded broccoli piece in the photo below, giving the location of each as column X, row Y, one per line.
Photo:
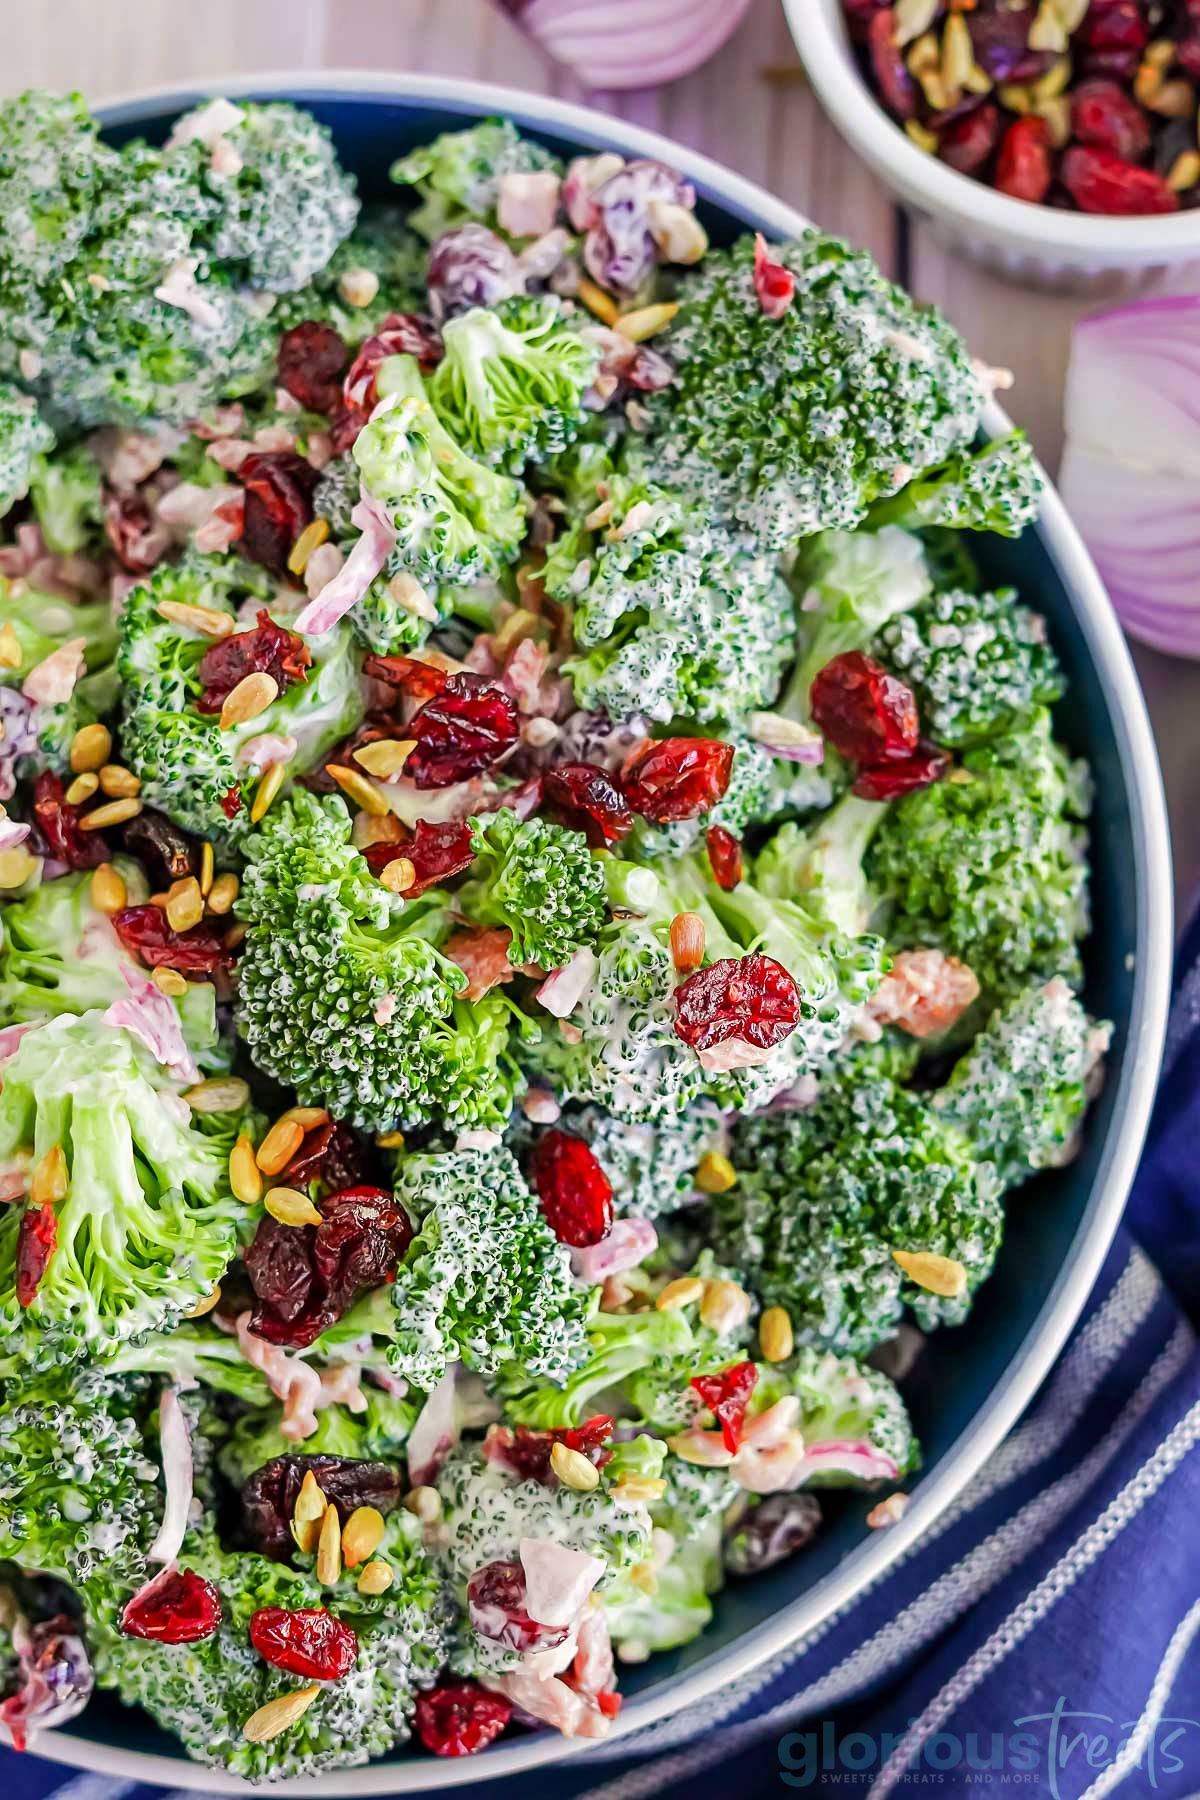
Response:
column 538, row 881
column 68, row 504
column 484, row 1281
column 1021, row 1090
column 821, row 865
column 457, row 176
column 692, row 1513
column 24, row 438
column 998, row 488
column 797, row 424
column 990, row 862
column 344, row 994
column 455, row 519
column 976, row 662
column 203, row 775
column 510, row 386
column 148, row 1224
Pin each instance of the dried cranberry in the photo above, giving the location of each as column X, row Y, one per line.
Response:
column 726, row 1395
column 750, row 1000
column 177, row 1607
column 868, row 715
column 584, row 797
column 1099, row 182
column 436, row 852
column 890, row 781
column 55, row 1679
column 968, row 142
column 279, row 489
column 1187, row 55
column 401, row 334
column 231, row 802
column 37, row 1239
column 525, row 1451
column 58, row 822
column 144, row 931
column 1024, row 169
column 269, row 1495
column 896, row 86
column 774, row 285
column 460, row 732
column 460, row 1718
column 575, row 1193
column 156, row 841
column 331, row 1153
column 1104, row 115
column 1117, row 27
column 724, row 856
column 311, row 1642
column 133, row 533
column 268, row 648
column 311, row 360
column 470, row 266
column 678, row 778
column 279, row 1262
column 419, row 680
column 774, row 1529
column 496, row 1596
column 362, row 1236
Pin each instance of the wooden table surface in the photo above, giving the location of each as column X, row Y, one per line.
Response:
column 747, row 109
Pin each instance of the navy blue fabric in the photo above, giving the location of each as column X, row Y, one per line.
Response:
column 1044, row 1637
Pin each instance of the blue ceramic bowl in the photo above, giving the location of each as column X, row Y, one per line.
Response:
column 975, row 1381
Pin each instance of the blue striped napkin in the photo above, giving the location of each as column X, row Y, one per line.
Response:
column 1044, row 1636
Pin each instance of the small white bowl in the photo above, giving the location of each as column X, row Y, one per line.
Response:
column 1017, row 238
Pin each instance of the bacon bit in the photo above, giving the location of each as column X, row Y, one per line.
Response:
column 436, row 852
column 483, row 958
column 726, row 1396
column 925, row 993
column 419, row 680
column 774, row 285
column 231, row 802
column 137, row 537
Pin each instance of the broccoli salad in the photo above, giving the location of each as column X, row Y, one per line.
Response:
column 541, row 910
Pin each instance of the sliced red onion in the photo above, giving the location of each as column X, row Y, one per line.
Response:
column 435, row 1431
column 846, row 1456
column 55, row 1678
column 628, row 1243
column 557, row 1580
column 12, row 833
column 629, row 43
column 177, row 1476
column 787, row 738
column 148, row 1015
column 356, row 573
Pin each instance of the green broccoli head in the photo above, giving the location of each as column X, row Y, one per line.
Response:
column 484, row 1281
column 455, row 519
column 336, row 495
column 510, row 386
column 652, row 1166
column 204, row 1693
column 795, row 424
column 687, row 1563
column 201, row 773
column 538, row 881
column 630, row 1357
column 343, row 993
column 990, row 863
column 79, row 1495
column 457, row 177
column 279, row 204
column 147, row 1224
column 998, row 488
column 24, row 439
column 68, row 503
column 976, row 662
column 1021, row 1090
column 826, row 1195
column 672, row 615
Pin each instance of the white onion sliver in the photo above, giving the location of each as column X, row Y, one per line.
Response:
column 177, row 1478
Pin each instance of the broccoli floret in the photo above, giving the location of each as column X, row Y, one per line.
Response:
column 796, row 424
column 998, row 488
column 652, row 1167
column 280, row 204
column 821, row 866
column 67, row 498
column 457, row 176
column 24, row 438
column 826, row 1195
column 687, row 1564
column 990, row 862
column 343, row 993
column 538, row 881
column 205, row 1692
column 43, row 623
column 336, row 495
column 201, row 773
column 147, row 1224
column 484, row 1281
column 455, row 519
column 78, row 1490
column 1021, row 1090
column 621, row 1347
column 672, row 615
column 510, row 386
column 61, row 955
column 851, row 584
column 975, row 662
column 855, row 1426
column 196, row 1355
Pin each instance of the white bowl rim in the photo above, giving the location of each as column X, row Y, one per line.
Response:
column 818, row 29
column 1131, row 1112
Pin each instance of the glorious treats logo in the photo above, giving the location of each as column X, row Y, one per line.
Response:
column 1055, row 1753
